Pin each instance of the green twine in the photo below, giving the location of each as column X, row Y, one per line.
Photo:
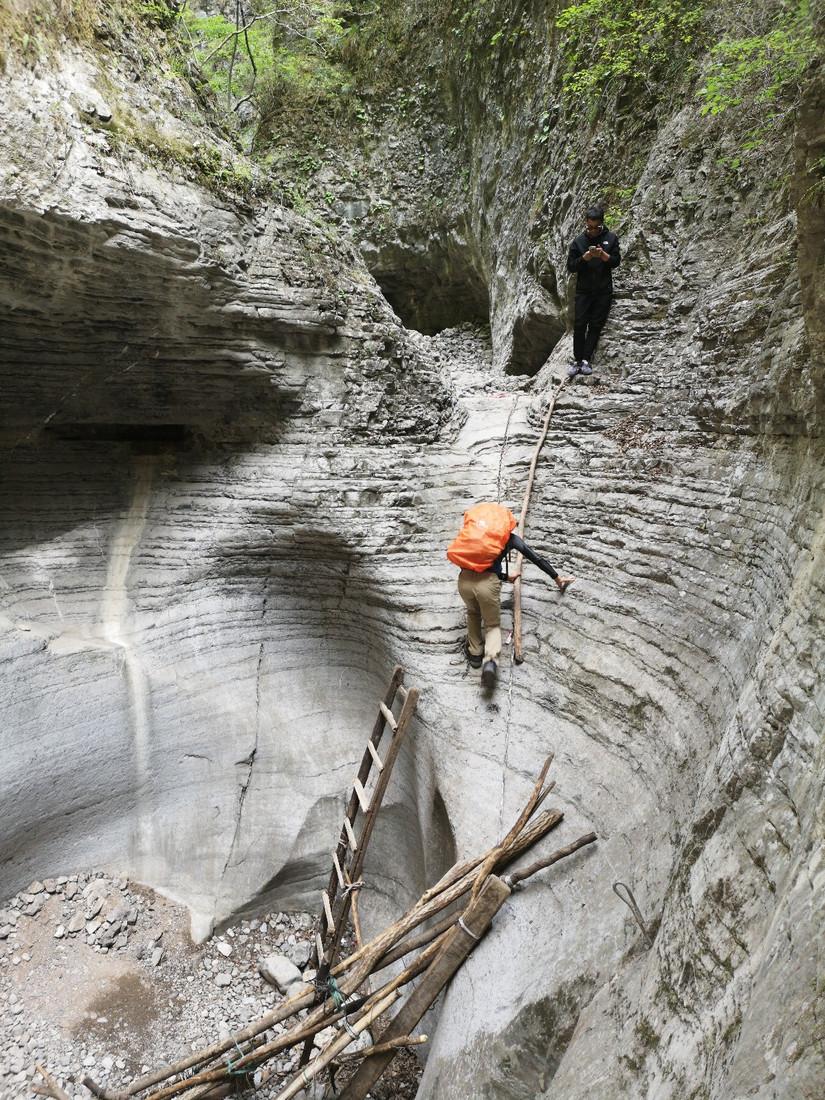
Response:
column 335, row 992
column 230, row 1067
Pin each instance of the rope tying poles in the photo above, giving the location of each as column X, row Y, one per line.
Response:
column 518, row 655
column 230, row 1065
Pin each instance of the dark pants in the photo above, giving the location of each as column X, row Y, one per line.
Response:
column 591, row 314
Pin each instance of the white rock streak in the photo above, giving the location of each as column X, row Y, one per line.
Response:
column 115, row 628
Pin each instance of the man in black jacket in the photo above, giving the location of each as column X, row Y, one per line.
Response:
column 592, row 257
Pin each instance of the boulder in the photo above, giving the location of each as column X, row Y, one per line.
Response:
column 280, row 972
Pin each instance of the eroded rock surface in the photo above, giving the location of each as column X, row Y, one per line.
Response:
column 231, row 476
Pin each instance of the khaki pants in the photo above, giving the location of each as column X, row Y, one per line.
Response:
column 481, row 593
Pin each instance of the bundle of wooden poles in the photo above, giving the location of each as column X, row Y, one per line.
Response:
column 353, row 998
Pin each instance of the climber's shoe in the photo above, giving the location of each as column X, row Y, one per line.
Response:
column 585, row 367
column 475, row 659
column 573, row 370
column 488, row 674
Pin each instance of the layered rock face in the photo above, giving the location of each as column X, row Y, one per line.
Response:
column 230, row 475
column 158, row 344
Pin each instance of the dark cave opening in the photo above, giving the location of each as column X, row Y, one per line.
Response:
column 534, row 337
column 431, row 284
column 431, row 304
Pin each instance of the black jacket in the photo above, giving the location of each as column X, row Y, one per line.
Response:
column 594, row 276
column 515, row 543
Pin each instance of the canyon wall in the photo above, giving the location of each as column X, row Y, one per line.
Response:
column 230, row 472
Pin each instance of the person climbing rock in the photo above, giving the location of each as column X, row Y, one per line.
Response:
column 592, row 257
column 481, row 550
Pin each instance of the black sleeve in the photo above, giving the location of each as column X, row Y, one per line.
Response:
column 615, row 252
column 515, row 543
column 574, row 260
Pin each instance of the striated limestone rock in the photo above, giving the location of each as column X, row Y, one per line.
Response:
column 229, row 478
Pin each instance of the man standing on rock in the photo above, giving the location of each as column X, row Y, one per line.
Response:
column 592, row 257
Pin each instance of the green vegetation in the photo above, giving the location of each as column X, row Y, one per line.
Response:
column 628, row 41
column 34, row 30
column 31, row 30
column 158, row 13
column 200, row 161
column 760, row 70
column 646, row 1034
column 282, row 60
column 618, row 201
column 615, row 42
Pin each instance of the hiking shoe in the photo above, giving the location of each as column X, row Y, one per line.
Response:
column 573, row 370
column 585, row 367
column 488, row 674
column 475, row 659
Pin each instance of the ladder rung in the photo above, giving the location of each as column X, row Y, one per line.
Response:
column 353, row 843
column 338, row 870
column 389, row 716
column 328, row 909
column 379, row 763
column 402, row 691
column 319, row 948
column 362, row 795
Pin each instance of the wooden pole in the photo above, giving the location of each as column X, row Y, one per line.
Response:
column 517, row 877
column 318, row 1019
column 297, row 1034
column 518, row 653
column 360, row 964
column 536, row 798
column 302, row 1079
column 382, row 1048
column 458, row 870
column 421, row 940
column 51, row 1087
column 214, row 1092
column 430, row 905
column 393, row 1042
column 461, row 941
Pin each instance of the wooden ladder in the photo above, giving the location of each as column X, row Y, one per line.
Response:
column 359, row 821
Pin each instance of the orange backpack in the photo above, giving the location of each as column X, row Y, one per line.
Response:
column 482, row 538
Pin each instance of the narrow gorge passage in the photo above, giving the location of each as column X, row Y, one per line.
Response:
column 267, row 331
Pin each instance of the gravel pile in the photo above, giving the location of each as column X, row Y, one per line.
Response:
column 99, row 976
column 464, row 350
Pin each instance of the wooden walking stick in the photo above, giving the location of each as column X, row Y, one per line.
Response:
column 518, row 653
